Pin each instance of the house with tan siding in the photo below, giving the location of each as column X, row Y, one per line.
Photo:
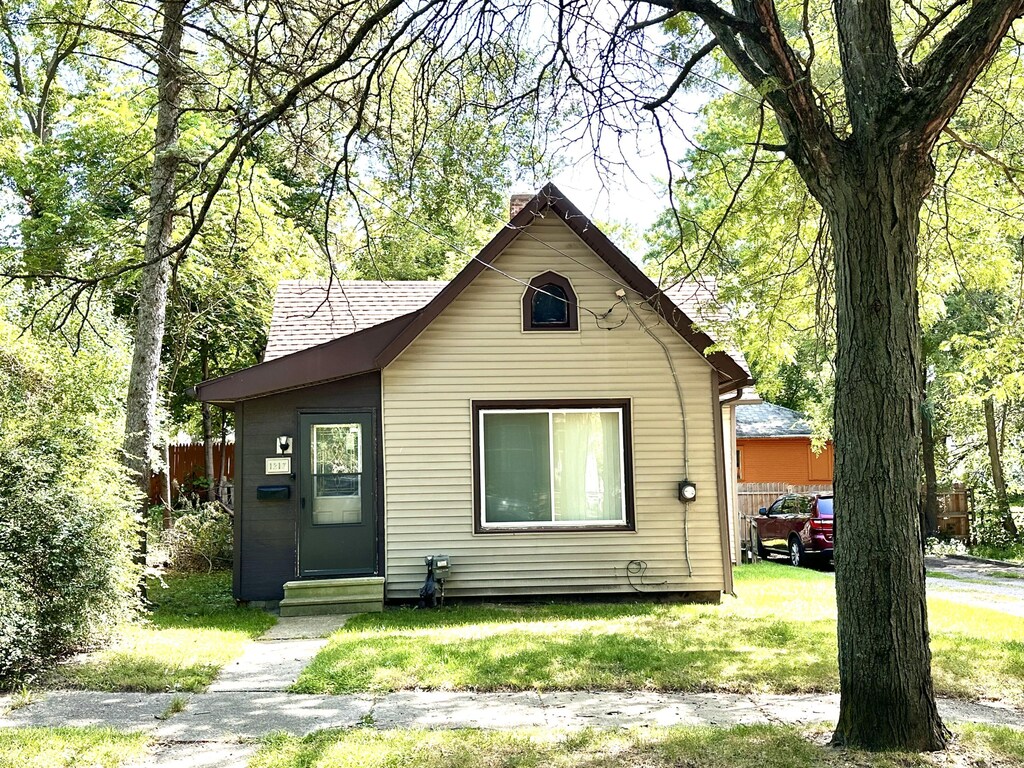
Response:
column 541, row 420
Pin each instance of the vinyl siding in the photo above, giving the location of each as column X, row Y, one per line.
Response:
column 476, row 350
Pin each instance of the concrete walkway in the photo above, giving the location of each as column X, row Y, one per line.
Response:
column 248, row 701
column 276, row 659
column 232, row 715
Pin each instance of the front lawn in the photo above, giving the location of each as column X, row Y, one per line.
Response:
column 760, row 746
column 71, row 747
column 778, row 637
column 193, row 630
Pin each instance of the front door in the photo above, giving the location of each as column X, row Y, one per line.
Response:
column 337, row 508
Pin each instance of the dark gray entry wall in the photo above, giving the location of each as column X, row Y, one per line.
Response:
column 266, row 532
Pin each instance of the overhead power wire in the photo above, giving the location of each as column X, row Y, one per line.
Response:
column 682, row 418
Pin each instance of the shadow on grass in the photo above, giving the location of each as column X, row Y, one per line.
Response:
column 57, row 747
column 706, row 653
column 193, row 629
column 756, row 746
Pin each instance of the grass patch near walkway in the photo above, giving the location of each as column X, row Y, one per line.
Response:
column 193, row 630
column 779, row 637
column 759, row 746
column 1013, row 553
column 71, row 747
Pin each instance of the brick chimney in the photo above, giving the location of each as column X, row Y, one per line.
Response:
column 516, row 203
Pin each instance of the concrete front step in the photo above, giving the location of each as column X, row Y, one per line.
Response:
column 319, row 597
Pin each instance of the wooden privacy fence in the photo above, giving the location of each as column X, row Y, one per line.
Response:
column 955, row 505
column 753, row 496
column 956, row 512
column 187, row 467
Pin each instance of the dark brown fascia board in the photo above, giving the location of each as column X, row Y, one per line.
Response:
column 731, row 375
column 336, row 359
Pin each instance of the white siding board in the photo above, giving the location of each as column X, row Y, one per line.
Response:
column 476, row 350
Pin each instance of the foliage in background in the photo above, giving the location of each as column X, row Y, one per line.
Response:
column 67, row 530
column 746, row 222
column 200, row 539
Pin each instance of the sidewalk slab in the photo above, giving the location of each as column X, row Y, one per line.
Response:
column 233, row 716
column 267, row 666
column 447, row 709
column 303, row 627
column 230, row 716
column 123, row 711
column 989, row 713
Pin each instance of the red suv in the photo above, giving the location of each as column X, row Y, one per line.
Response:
column 798, row 526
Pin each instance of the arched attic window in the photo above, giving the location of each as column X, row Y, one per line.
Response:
column 549, row 304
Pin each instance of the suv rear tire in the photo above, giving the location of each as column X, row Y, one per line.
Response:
column 796, row 552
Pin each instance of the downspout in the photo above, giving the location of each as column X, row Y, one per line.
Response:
column 733, row 399
column 732, row 497
column 723, row 505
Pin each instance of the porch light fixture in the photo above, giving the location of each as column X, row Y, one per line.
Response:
column 284, row 445
column 687, row 491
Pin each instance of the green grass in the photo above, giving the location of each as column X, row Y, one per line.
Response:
column 1007, row 574
column 193, row 630
column 72, row 747
column 760, row 746
column 779, row 636
column 947, row 576
column 1013, row 553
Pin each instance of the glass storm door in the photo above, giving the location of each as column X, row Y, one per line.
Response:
column 337, row 510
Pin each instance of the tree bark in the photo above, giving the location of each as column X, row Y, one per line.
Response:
column 995, row 459
column 144, row 380
column 207, row 410
column 931, row 490
column 887, row 697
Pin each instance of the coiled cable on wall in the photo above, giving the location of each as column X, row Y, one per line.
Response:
column 639, row 568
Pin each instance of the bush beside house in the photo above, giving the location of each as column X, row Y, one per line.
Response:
column 67, row 527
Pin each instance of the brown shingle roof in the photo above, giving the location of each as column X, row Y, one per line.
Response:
column 312, row 312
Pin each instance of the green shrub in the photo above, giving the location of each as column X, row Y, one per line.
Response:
column 201, row 539
column 67, row 526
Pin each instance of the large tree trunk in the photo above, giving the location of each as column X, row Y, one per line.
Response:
column 995, row 459
column 207, row 410
column 144, row 381
column 931, row 489
column 884, row 657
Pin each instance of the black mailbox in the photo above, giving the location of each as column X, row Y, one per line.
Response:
column 273, row 492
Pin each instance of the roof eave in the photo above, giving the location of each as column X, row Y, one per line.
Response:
column 339, row 358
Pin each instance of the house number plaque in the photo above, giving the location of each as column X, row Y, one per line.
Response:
column 279, row 466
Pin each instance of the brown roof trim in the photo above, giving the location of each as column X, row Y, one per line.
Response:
column 374, row 348
column 337, row 359
column 731, row 375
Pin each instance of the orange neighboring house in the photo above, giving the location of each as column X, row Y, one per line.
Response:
column 773, row 445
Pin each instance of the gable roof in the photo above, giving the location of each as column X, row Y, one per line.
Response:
column 770, row 420
column 373, row 348
column 311, row 312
